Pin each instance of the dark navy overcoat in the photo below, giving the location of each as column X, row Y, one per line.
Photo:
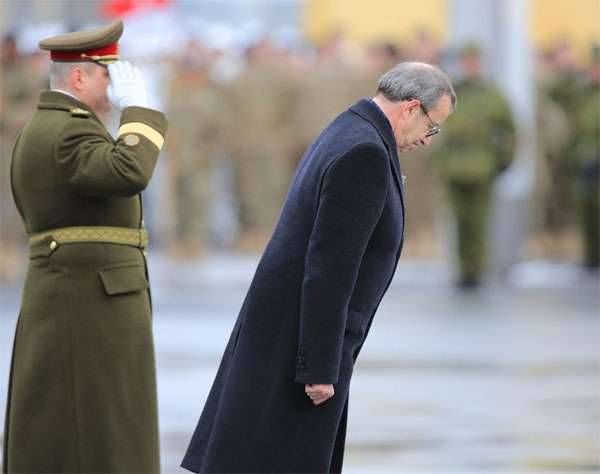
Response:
column 309, row 308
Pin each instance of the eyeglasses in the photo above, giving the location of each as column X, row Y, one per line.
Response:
column 434, row 129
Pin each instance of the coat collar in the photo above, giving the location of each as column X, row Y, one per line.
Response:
column 51, row 99
column 369, row 111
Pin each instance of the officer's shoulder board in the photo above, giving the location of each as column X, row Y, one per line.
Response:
column 74, row 111
column 77, row 112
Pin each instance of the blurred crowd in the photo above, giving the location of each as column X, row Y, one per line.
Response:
column 249, row 114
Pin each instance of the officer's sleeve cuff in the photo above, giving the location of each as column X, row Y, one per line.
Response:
column 150, row 124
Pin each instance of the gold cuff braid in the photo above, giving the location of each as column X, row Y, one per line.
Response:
column 144, row 130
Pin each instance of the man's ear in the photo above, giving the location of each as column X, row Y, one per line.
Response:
column 77, row 78
column 410, row 107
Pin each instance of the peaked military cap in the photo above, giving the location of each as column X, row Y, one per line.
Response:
column 99, row 45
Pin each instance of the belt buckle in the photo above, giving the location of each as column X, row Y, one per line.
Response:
column 43, row 247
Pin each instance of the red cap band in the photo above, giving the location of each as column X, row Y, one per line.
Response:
column 76, row 56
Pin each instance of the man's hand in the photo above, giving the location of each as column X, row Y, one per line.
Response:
column 126, row 86
column 319, row 393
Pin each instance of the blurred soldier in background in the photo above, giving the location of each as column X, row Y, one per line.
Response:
column 475, row 147
column 340, row 74
column 194, row 146
column 561, row 86
column 422, row 241
column 19, row 92
column 586, row 165
column 20, row 87
column 564, row 75
column 381, row 56
column 425, row 47
column 553, row 133
column 262, row 100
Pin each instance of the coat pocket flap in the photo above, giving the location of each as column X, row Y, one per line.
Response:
column 121, row 280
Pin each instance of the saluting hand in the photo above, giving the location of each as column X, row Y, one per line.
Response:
column 319, row 393
column 126, row 86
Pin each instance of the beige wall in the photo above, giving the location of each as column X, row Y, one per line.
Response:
column 367, row 20
column 576, row 20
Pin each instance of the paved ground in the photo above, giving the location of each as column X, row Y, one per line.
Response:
column 506, row 380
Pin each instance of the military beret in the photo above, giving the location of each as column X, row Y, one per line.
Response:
column 99, row 45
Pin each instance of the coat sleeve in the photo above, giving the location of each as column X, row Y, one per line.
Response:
column 351, row 201
column 93, row 164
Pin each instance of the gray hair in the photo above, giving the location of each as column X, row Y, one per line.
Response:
column 59, row 72
column 414, row 80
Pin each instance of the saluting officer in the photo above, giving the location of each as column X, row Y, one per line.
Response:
column 82, row 392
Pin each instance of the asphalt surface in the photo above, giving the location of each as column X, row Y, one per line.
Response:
column 502, row 380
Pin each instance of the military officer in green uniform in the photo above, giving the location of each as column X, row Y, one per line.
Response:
column 586, row 166
column 475, row 147
column 82, row 391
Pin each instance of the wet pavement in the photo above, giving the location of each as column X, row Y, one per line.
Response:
column 504, row 380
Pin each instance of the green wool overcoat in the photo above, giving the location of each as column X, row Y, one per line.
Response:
column 82, row 390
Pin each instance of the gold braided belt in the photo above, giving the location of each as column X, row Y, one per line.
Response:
column 110, row 235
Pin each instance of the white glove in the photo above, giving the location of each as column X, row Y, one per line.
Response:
column 126, row 86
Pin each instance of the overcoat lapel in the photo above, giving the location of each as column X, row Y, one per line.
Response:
column 369, row 111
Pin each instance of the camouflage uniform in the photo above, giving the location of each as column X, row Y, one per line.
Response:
column 474, row 147
column 19, row 94
column 562, row 90
column 196, row 111
column 259, row 140
column 553, row 134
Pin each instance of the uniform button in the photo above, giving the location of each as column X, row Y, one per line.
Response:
column 145, row 253
column 53, row 245
column 131, row 140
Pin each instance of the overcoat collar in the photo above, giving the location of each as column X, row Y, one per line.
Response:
column 368, row 110
column 51, row 99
